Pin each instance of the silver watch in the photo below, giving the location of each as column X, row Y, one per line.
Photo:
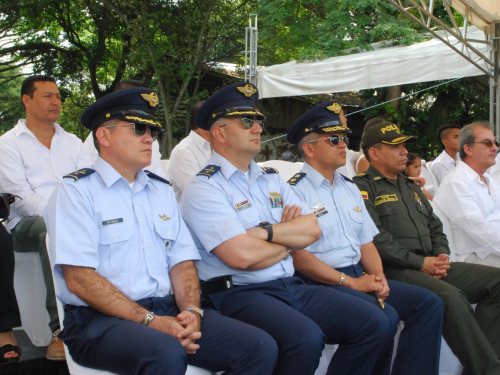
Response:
column 196, row 310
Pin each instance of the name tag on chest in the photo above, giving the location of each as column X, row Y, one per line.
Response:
column 321, row 211
column 242, row 205
column 112, row 221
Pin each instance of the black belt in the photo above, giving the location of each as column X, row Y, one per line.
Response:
column 215, row 285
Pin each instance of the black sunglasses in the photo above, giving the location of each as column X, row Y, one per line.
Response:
column 489, row 143
column 247, row 122
column 140, row 129
column 334, row 140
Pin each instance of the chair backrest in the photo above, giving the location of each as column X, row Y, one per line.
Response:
column 286, row 168
column 431, row 184
column 446, row 229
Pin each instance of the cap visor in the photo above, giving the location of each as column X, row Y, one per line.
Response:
column 398, row 140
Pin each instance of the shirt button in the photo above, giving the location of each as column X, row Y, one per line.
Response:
column 340, row 210
column 345, row 228
column 147, row 245
column 140, row 220
column 260, row 208
column 150, row 272
column 324, row 223
column 168, row 233
column 115, row 235
column 247, row 218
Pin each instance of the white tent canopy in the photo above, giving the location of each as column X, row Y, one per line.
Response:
column 428, row 61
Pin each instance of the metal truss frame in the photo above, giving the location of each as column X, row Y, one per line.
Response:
column 421, row 12
column 251, row 33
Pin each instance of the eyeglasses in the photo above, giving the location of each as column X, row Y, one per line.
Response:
column 334, row 140
column 489, row 143
column 247, row 122
column 139, row 129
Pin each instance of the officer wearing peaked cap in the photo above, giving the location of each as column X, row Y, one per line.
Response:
column 415, row 250
column 345, row 250
column 246, row 222
column 131, row 247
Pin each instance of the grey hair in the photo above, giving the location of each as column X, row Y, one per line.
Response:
column 467, row 136
column 308, row 137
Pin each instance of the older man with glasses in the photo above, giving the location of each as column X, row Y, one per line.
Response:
column 470, row 198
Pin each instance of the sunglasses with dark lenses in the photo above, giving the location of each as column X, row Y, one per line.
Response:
column 490, row 143
column 247, row 122
column 334, row 140
column 140, row 129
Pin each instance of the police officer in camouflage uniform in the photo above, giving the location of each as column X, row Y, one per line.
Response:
column 415, row 250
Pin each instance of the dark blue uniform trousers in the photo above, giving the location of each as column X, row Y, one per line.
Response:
column 420, row 340
column 126, row 347
column 302, row 318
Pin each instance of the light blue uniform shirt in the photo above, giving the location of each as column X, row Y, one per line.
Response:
column 132, row 238
column 223, row 206
column 344, row 220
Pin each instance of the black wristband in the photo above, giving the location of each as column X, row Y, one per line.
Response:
column 269, row 227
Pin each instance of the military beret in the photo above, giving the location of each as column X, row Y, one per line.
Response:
column 322, row 119
column 136, row 105
column 384, row 132
column 236, row 100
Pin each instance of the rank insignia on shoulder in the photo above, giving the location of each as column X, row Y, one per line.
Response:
column 270, row 170
column 276, row 201
column 80, row 173
column 376, row 178
column 209, row 171
column 360, row 174
column 364, row 194
column 156, row 177
column 296, row 178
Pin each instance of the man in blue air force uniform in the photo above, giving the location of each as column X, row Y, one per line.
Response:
column 116, row 235
column 345, row 248
column 246, row 221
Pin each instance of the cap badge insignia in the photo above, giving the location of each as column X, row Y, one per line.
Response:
column 357, row 209
column 164, row 217
column 276, row 201
column 335, row 108
column 151, row 98
column 388, row 128
column 248, row 90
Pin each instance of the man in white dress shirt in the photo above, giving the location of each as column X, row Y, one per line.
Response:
column 470, row 198
column 34, row 157
column 447, row 160
column 189, row 156
column 156, row 166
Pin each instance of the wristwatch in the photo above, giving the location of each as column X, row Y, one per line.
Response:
column 196, row 310
column 148, row 318
column 269, row 227
column 342, row 278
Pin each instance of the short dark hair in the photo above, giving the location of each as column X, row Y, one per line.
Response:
column 28, row 85
column 128, row 84
column 378, row 146
column 443, row 128
column 194, row 110
column 411, row 158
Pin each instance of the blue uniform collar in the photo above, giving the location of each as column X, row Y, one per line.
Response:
column 109, row 175
column 317, row 178
column 228, row 169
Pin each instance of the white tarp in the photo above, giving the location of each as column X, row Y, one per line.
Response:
column 422, row 62
column 488, row 9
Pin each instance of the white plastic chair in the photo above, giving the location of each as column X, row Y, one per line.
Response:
column 446, row 229
column 431, row 184
column 286, row 168
column 75, row 368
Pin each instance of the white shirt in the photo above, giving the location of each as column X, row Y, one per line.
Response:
column 186, row 160
column 473, row 209
column 32, row 171
column 495, row 170
column 350, row 167
column 155, row 166
column 443, row 165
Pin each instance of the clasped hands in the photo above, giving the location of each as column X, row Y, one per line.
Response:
column 437, row 267
column 185, row 327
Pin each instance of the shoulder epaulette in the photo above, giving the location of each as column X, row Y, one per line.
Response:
column 80, row 173
column 360, row 174
column 296, row 178
column 209, row 170
column 156, row 177
column 270, row 170
column 376, row 178
column 346, row 178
